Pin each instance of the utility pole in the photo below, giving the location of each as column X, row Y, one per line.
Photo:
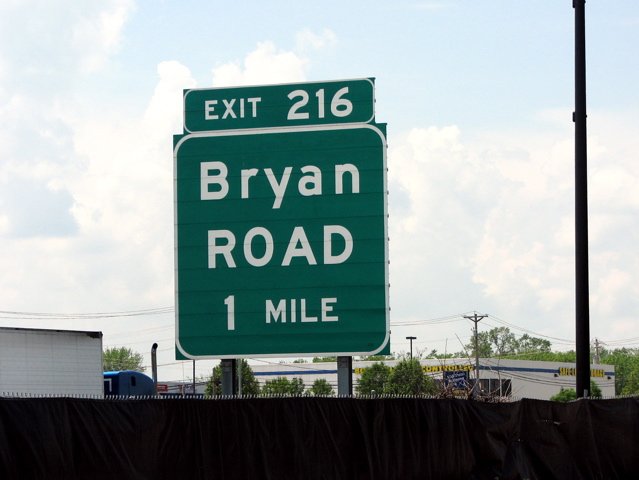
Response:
column 597, row 357
column 476, row 319
column 582, row 317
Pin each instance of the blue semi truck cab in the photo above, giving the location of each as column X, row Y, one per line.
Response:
column 128, row 383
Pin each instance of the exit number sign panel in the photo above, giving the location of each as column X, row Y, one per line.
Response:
column 271, row 106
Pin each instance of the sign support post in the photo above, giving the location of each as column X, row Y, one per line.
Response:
column 229, row 377
column 344, row 376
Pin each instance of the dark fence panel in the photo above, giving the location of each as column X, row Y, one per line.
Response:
column 317, row 438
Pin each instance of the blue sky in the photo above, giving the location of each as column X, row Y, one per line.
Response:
column 478, row 99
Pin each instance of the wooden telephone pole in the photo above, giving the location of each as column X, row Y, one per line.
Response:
column 476, row 319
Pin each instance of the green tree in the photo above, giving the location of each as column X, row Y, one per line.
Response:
column 373, row 379
column 526, row 343
column 595, row 391
column 564, row 395
column 321, row 387
column 283, row 386
column 568, row 357
column 250, row 385
column 626, row 362
column 115, row 359
column 484, row 346
column 214, row 384
column 569, row 394
column 408, row 378
column 501, row 342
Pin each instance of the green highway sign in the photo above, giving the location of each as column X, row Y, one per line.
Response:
column 301, row 104
column 281, row 222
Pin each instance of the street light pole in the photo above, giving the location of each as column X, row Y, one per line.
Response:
column 154, row 367
column 411, row 345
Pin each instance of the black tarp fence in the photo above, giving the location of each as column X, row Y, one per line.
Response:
column 317, row 438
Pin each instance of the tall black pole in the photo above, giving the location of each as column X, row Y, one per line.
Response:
column 582, row 318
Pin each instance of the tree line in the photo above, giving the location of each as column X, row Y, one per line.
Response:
column 277, row 386
column 407, row 377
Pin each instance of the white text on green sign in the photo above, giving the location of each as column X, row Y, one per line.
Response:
column 281, row 242
column 303, row 104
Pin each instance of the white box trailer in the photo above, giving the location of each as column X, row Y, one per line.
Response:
column 50, row 362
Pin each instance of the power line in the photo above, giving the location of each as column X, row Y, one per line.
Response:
column 8, row 314
column 432, row 321
column 512, row 325
column 145, row 330
column 622, row 341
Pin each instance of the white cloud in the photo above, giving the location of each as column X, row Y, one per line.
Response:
column 36, row 210
column 164, row 113
column 499, row 211
column 610, row 288
column 98, row 36
column 268, row 64
column 125, row 188
column 434, row 217
column 41, row 41
column 114, row 174
column 40, row 54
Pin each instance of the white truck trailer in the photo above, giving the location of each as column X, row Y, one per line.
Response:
column 50, row 362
